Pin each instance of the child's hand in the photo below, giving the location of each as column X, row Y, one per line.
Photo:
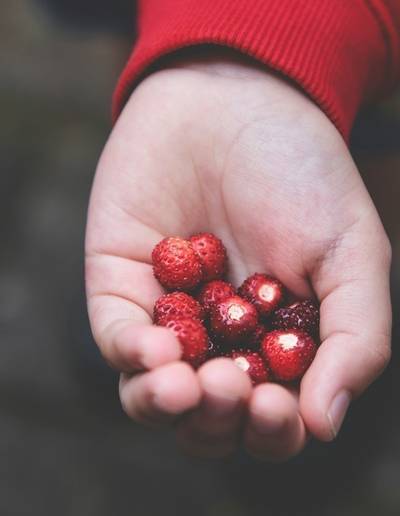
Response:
column 228, row 148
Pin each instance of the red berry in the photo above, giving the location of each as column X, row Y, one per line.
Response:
column 212, row 255
column 288, row 353
column 177, row 305
column 213, row 293
column 193, row 338
column 303, row 315
column 176, row 264
column 266, row 293
column 255, row 339
column 233, row 319
column 252, row 364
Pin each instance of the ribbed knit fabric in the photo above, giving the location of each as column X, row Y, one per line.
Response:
column 341, row 52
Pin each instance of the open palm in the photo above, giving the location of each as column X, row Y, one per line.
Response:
column 228, row 148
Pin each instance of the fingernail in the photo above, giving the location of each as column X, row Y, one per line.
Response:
column 337, row 411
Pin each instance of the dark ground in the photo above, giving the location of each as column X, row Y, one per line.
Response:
column 66, row 449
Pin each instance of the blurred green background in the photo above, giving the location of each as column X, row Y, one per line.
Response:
column 66, row 448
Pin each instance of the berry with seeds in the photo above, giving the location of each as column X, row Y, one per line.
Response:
column 212, row 255
column 252, row 363
column 233, row 320
column 213, row 293
column 254, row 340
column 193, row 338
column 176, row 264
column 288, row 353
column 303, row 315
column 177, row 305
column 266, row 293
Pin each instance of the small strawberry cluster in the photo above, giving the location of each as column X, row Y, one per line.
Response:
column 210, row 318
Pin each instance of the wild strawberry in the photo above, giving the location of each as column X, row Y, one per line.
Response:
column 193, row 338
column 213, row 293
column 303, row 315
column 233, row 319
column 176, row 264
column 288, row 353
column 177, row 305
column 254, row 340
column 252, row 363
column 266, row 293
column 212, row 255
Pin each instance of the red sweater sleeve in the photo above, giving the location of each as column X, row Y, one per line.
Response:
column 342, row 53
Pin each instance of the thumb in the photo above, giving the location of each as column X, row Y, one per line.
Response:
column 352, row 283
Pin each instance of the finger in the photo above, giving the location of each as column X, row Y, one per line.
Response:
column 126, row 278
column 212, row 430
column 160, row 396
column 129, row 347
column 275, row 430
column 353, row 286
column 121, row 326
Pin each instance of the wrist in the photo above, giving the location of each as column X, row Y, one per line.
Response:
column 220, row 61
column 211, row 62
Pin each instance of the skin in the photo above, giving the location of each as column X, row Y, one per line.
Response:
column 223, row 146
